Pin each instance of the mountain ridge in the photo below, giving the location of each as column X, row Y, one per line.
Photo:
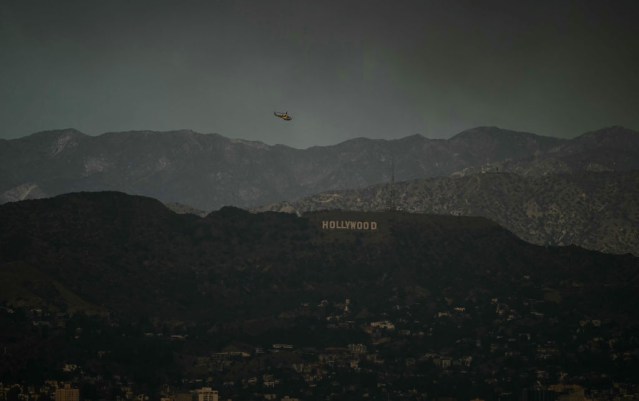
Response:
column 208, row 171
column 590, row 209
column 608, row 149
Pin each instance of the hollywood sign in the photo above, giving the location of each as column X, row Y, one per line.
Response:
column 348, row 225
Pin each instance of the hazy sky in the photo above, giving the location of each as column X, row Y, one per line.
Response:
column 342, row 69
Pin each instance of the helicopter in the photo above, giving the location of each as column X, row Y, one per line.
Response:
column 284, row 116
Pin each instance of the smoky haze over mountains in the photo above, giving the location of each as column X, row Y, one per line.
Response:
column 446, row 268
column 210, row 171
column 342, row 69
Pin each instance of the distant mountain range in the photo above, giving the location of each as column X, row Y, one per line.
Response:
column 598, row 211
column 207, row 171
column 610, row 149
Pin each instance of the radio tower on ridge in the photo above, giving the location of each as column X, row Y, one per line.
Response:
column 390, row 206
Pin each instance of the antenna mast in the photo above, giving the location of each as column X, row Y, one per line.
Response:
column 391, row 193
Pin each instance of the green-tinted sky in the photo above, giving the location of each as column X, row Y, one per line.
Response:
column 342, row 69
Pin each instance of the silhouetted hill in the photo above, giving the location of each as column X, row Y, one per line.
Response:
column 180, row 208
column 597, row 211
column 133, row 256
column 209, row 171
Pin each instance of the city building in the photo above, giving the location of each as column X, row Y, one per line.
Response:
column 204, row 394
column 67, row 394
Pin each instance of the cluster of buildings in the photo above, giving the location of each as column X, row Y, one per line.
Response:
column 49, row 390
column 438, row 348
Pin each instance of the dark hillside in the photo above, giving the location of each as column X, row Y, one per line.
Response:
column 121, row 285
column 133, row 255
column 594, row 210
